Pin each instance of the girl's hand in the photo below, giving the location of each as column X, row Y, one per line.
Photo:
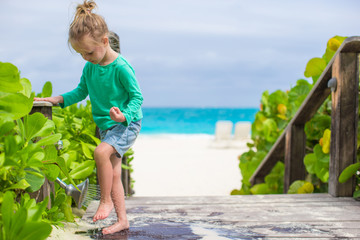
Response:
column 53, row 100
column 117, row 115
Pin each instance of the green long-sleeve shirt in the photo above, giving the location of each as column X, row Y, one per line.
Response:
column 112, row 85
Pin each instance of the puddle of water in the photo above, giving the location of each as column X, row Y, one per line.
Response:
column 96, row 233
column 147, row 232
column 169, row 231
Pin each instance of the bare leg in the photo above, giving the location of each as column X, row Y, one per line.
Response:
column 118, row 198
column 105, row 172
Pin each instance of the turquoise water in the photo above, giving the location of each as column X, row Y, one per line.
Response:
column 191, row 120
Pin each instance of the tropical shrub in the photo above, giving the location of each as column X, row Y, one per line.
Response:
column 27, row 156
column 276, row 110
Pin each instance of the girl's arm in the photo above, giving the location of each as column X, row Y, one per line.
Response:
column 53, row 100
column 131, row 85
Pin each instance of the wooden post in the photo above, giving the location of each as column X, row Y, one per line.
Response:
column 344, row 122
column 46, row 109
column 295, row 143
column 125, row 178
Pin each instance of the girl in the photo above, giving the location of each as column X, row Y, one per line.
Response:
column 116, row 100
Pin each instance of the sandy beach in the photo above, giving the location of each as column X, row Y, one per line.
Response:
column 186, row 165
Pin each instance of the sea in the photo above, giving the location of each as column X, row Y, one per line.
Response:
column 191, row 120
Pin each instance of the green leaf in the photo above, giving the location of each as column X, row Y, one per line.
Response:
column 261, row 188
column 47, row 129
column 36, row 214
column 20, row 125
column 35, row 178
column 323, row 174
column 35, row 231
column 300, row 187
column 95, row 139
column 123, row 166
column 356, row 194
column 35, row 160
column 348, row 172
column 6, row 125
column 9, row 78
column 52, row 139
column 7, row 210
column 83, row 170
column 19, row 220
column 47, row 90
column 66, row 209
column 22, row 184
column 86, row 150
column 51, row 154
column 310, row 161
column 51, row 171
column 315, row 67
column 14, row 105
column 11, row 146
column 62, row 165
column 249, row 161
column 33, row 124
column 26, row 87
column 60, row 198
column 315, row 128
column 270, row 130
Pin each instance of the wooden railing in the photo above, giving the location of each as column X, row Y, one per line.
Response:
column 341, row 79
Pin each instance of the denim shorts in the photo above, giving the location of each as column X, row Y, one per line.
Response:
column 121, row 137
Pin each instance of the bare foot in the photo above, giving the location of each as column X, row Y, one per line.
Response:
column 103, row 211
column 116, row 227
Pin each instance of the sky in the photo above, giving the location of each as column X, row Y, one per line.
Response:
column 186, row 53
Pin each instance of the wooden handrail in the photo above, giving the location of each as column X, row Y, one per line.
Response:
column 290, row 146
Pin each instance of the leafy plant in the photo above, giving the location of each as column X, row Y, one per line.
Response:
column 300, row 186
column 352, row 170
column 24, row 220
column 276, row 110
column 27, row 156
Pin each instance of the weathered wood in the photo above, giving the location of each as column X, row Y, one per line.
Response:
column 295, row 143
column 344, row 122
column 125, row 178
column 42, row 107
column 314, row 99
column 276, row 154
column 351, row 44
column 285, row 216
column 46, row 109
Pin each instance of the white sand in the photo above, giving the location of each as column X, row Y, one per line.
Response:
column 186, row 165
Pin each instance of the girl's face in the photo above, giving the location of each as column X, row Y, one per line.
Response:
column 91, row 50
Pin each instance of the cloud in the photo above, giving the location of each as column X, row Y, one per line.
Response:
column 185, row 53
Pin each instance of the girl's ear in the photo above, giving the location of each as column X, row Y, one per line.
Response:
column 105, row 40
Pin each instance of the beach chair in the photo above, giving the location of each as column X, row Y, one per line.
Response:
column 223, row 134
column 223, row 130
column 242, row 135
column 242, row 130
